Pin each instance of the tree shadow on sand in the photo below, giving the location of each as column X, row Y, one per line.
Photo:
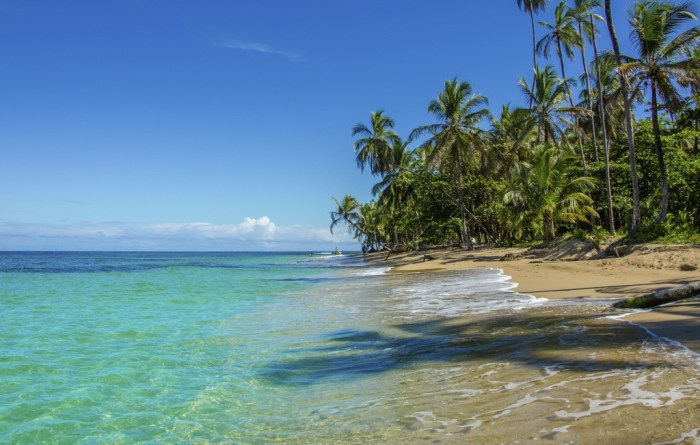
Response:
column 538, row 341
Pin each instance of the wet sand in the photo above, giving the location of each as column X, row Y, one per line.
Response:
column 644, row 271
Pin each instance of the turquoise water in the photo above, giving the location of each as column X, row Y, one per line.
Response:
column 112, row 348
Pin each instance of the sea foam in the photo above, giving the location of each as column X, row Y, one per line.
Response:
column 472, row 291
column 374, row 272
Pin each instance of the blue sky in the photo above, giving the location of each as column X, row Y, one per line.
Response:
column 220, row 124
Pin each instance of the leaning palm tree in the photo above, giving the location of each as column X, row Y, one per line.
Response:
column 347, row 212
column 456, row 137
column 662, row 59
column 627, row 105
column 545, row 192
column 373, row 147
column 532, row 7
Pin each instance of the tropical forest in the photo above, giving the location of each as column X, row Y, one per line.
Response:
column 610, row 151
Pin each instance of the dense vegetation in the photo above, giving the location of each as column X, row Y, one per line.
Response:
column 573, row 160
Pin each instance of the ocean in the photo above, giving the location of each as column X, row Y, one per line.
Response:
column 257, row 348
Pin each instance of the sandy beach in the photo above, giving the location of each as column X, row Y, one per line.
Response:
column 646, row 269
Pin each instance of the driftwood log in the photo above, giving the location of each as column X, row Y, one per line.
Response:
column 660, row 296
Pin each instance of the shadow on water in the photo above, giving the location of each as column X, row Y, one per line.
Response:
column 537, row 341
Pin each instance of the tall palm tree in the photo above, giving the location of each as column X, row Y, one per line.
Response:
column 608, row 92
column 544, row 192
column 604, row 130
column 532, row 7
column 373, row 147
column 347, row 212
column 456, row 137
column 584, row 17
column 547, row 113
column 661, row 59
column 627, row 102
column 564, row 38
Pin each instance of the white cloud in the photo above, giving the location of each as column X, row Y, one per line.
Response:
column 250, row 229
column 262, row 48
column 250, row 234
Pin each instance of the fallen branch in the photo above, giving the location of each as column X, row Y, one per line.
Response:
column 660, row 296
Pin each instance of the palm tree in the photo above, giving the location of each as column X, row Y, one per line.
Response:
column 608, row 93
column 627, row 102
column 661, row 60
column 346, row 212
column 401, row 161
column 582, row 14
column 371, row 226
column 507, row 135
column 543, row 193
column 692, row 114
column 604, row 129
column 398, row 186
column 564, row 37
column 585, row 19
column 532, row 7
column 456, row 136
column 546, row 112
column 372, row 149
column 691, row 79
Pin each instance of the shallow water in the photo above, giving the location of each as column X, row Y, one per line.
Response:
column 264, row 348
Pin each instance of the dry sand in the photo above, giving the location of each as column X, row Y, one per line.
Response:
column 648, row 268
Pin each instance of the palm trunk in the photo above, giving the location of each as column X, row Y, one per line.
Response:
column 462, row 209
column 594, row 136
column 548, row 227
column 636, row 208
column 415, row 209
column 534, row 53
column 571, row 102
column 563, row 73
column 477, row 222
column 659, row 153
column 606, row 142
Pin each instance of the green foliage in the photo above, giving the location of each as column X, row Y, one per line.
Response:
column 677, row 228
column 373, row 147
column 547, row 192
column 683, row 168
column 597, row 234
column 519, row 182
